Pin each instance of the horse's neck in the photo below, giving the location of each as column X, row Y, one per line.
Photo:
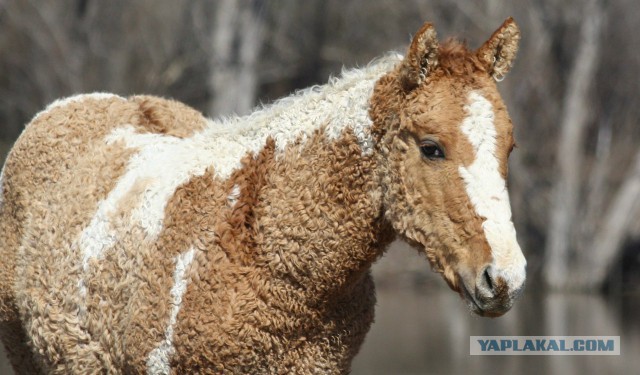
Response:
column 319, row 216
column 319, row 205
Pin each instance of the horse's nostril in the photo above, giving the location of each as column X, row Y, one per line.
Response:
column 487, row 279
column 492, row 293
column 485, row 285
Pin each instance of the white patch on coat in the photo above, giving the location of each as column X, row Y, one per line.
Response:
column 487, row 191
column 233, row 196
column 77, row 98
column 342, row 103
column 158, row 360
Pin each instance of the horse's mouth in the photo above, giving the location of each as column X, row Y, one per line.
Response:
column 471, row 301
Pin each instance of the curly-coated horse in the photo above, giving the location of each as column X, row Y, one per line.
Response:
column 137, row 236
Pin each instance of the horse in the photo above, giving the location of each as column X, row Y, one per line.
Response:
column 138, row 236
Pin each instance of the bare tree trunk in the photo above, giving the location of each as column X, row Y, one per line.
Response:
column 605, row 249
column 236, row 46
column 597, row 186
column 576, row 113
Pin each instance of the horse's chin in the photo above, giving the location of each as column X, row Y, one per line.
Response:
column 483, row 313
column 471, row 302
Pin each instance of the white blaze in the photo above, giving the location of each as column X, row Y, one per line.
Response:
column 487, row 191
column 158, row 360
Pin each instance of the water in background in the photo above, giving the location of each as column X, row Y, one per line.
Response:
column 427, row 332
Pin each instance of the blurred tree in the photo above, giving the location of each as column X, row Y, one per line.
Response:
column 70, row 46
column 573, row 124
column 589, row 221
column 236, row 42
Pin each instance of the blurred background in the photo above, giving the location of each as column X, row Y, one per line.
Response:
column 574, row 178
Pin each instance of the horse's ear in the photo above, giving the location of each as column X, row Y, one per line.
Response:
column 421, row 58
column 497, row 53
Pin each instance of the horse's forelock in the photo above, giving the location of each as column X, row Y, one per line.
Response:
column 455, row 58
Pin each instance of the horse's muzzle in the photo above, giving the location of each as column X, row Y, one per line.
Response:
column 488, row 295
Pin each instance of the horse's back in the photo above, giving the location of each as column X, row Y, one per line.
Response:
column 67, row 145
column 56, row 176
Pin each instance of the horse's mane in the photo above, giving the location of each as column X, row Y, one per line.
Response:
column 348, row 78
column 299, row 109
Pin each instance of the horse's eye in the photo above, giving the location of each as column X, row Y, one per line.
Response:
column 431, row 150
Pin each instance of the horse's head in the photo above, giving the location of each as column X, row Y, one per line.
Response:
column 444, row 137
